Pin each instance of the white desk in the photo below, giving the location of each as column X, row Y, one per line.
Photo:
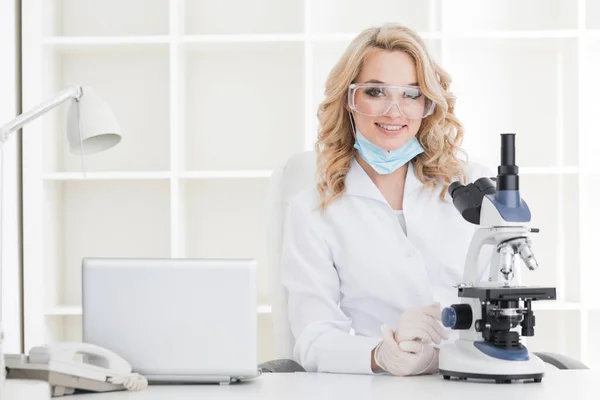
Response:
column 16, row 389
column 571, row 385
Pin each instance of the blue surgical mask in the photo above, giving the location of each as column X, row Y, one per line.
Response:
column 386, row 161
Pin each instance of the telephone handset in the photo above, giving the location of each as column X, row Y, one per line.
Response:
column 65, row 354
column 70, row 366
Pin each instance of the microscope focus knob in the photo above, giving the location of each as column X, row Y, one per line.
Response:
column 457, row 316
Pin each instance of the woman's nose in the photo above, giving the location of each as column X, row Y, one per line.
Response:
column 394, row 111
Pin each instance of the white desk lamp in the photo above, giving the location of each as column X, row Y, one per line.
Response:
column 91, row 128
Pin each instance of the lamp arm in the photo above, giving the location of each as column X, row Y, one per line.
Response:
column 74, row 92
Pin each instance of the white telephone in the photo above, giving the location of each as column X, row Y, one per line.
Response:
column 97, row 369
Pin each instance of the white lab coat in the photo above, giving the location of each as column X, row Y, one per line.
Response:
column 351, row 269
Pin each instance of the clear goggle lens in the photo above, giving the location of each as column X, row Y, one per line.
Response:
column 375, row 99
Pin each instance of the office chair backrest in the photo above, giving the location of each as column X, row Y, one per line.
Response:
column 296, row 175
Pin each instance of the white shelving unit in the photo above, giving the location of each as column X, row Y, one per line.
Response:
column 210, row 101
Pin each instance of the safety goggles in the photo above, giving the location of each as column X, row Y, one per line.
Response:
column 376, row 99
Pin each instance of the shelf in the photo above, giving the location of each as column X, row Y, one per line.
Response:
column 348, row 37
column 155, row 175
column 230, row 110
column 235, row 17
column 78, row 42
column 591, row 34
column 225, row 174
column 473, row 15
column 71, row 310
column 264, row 309
column 518, row 34
column 249, row 38
column 64, row 311
column 100, row 18
column 557, row 305
column 61, row 42
column 495, row 34
column 116, row 175
column 66, row 41
column 548, row 170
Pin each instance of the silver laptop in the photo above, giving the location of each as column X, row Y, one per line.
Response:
column 174, row 320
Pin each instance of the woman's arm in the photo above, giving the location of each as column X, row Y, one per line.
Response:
column 321, row 329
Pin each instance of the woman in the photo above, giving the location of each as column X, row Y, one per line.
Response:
column 378, row 243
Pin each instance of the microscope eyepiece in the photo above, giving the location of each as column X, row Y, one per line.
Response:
column 508, row 172
column 507, row 157
column 453, row 187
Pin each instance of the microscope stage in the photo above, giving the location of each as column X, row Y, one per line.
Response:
column 508, row 293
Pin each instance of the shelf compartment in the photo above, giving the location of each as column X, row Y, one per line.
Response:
column 590, row 103
column 134, row 82
column 226, row 219
column 266, row 338
column 592, row 355
column 554, row 333
column 243, row 118
column 99, row 18
column 590, row 274
column 556, row 245
column 247, row 17
column 352, row 16
column 484, row 74
column 592, row 14
column 469, row 15
column 99, row 219
column 66, row 328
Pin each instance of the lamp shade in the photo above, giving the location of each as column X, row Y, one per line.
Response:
column 91, row 117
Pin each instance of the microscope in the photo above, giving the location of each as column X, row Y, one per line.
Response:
column 493, row 314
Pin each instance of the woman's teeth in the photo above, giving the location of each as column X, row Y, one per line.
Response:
column 390, row 127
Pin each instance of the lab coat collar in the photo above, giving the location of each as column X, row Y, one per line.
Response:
column 358, row 182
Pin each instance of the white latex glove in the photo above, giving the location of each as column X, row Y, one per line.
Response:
column 408, row 351
column 421, row 324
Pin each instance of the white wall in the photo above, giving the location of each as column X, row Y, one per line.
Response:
column 9, row 279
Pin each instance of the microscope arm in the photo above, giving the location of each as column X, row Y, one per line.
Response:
column 480, row 238
column 489, row 236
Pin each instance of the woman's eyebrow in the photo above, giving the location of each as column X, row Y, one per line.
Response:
column 380, row 82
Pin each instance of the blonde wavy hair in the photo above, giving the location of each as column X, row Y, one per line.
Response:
column 440, row 134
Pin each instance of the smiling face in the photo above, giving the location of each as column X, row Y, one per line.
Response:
column 391, row 130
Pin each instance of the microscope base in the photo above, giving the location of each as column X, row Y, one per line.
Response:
column 463, row 360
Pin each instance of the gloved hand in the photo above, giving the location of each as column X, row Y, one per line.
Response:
column 408, row 351
column 421, row 324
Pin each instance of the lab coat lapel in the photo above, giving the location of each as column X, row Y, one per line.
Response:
column 412, row 182
column 358, row 182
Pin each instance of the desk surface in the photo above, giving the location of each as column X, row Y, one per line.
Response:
column 572, row 385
